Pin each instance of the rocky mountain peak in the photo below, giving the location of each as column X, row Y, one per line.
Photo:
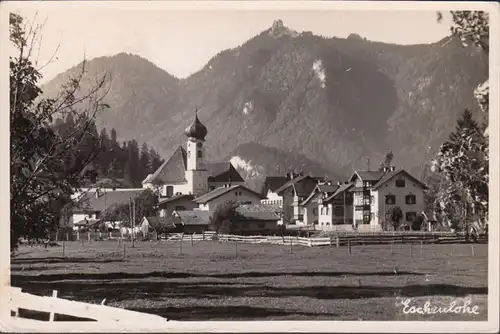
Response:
column 278, row 29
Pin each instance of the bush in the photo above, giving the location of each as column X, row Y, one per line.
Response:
column 416, row 224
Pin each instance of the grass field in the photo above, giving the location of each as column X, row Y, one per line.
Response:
column 225, row 281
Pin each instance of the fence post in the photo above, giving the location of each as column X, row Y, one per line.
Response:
column 203, row 235
column 52, row 314
column 349, row 245
column 421, row 246
column 88, row 234
column 192, row 244
column 236, row 248
column 124, row 250
column 64, row 248
column 291, row 246
column 110, row 235
column 57, row 236
column 67, row 236
column 338, row 242
column 100, row 234
column 331, row 241
column 472, row 249
column 78, row 235
column 410, row 248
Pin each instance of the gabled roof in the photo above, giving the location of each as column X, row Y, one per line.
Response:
column 303, row 185
column 89, row 202
column 175, row 198
column 172, row 171
column 272, row 183
column 342, row 188
column 387, row 177
column 257, row 212
column 368, row 175
column 320, row 188
column 194, row 217
column 221, row 191
column 223, row 172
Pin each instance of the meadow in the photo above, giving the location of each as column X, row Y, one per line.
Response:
column 210, row 280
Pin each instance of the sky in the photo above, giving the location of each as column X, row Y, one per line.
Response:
column 183, row 41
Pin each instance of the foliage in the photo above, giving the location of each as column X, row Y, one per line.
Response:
column 387, row 162
column 221, row 220
column 463, row 160
column 416, row 224
column 145, row 206
column 45, row 163
column 395, row 214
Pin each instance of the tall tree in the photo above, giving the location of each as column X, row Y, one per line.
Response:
column 41, row 182
column 144, row 162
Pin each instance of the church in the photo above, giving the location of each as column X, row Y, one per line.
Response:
column 186, row 176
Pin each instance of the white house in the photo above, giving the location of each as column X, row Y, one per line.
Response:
column 310, row 204
column 335, row 210
column 375, row 192
column 237, row 193
column 293, row 193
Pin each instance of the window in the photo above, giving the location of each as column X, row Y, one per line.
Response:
column 236, row 193
column 199, row 144
column 410, row 216
column 97, row 214
column 400, row 183
column 390, row 199
column 366, row 219
column 315, row 211
column 180, row 208
column 410, row 199
column 327, row 210
column 200, row 154
column 170, row 191
column 189, row 154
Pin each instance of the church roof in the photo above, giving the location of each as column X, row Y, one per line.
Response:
column 172, row 171
column 223, row 172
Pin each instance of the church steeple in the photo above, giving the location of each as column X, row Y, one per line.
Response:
column 196, row 172
column 196, row 130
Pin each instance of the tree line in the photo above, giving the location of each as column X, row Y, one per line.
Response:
column 115, row 164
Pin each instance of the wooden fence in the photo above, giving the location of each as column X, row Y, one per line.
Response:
column 52, row 305
column 337, row 239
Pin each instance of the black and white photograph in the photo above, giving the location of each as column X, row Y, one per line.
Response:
column 250, row 166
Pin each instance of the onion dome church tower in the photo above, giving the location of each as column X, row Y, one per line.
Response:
column 196, row 169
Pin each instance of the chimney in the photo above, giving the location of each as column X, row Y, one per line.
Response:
column 346, row 182
column 339, row 183
column 97, row 193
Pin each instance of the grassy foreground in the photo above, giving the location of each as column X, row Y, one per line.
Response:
column 224, row 281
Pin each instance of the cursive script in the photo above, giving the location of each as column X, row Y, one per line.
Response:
column 428, row 308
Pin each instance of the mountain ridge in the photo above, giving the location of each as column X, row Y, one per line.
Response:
column 332, row 101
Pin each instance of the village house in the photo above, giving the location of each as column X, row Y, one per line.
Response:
column 271, row 184
column 249, row 219
column 92, row 202
column 335, row 210
column 293, row 193
column 376, row 192
column 310, row 204
column 237, row 193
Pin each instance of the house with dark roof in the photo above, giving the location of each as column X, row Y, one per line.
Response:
column 310, row 204
column 91, row 203
column 376, row 192
column 335, row 210
column 187, row 172
column 249, row 219
column 236, row 193
column 293, row 193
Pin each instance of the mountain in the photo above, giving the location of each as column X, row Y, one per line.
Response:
column 285, row 98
